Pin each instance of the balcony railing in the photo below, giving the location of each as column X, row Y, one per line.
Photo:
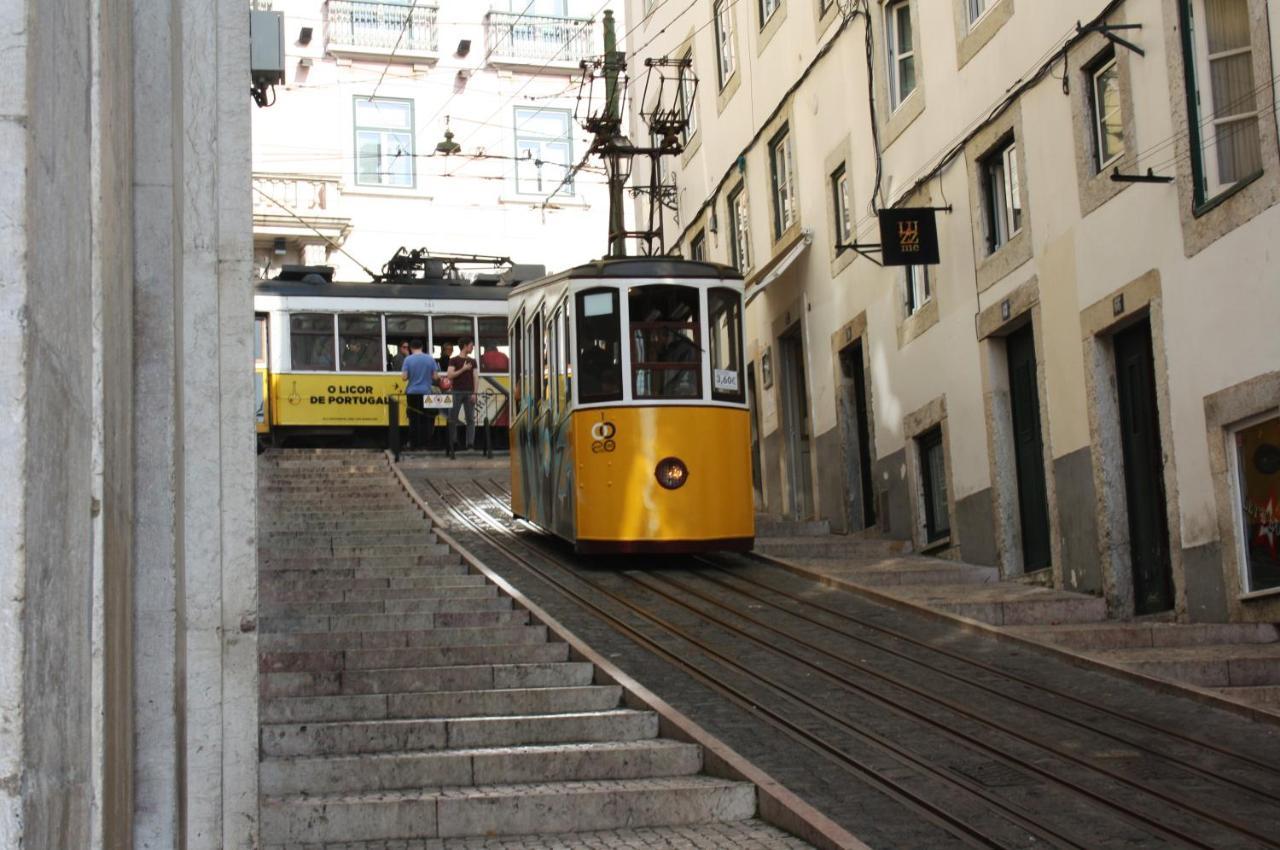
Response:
column 538, row 39
column 357, row 25
column 304, row 194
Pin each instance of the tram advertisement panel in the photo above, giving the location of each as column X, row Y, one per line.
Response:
column 361, row 400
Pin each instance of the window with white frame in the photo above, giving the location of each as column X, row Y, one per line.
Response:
column 1223, row 102
column 726, row 62
column 544, row 150
column 688, row 101
column 933, row 484
column 1255, row 461
column 902, row 54
column 978, row 8
column 1002, row 195
column 767, row 8
column 919, row 288
column 384, row 142
column 782, row 172
column 1108, row 115
column 843, row 222
column 698, row 246
column 739, row 230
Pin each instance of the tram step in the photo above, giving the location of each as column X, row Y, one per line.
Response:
column 518, row 633
column 442, row 704
column 1138, row 635
column 424, row 619
column 318, row 661
column 405, row 602
column 1230, row 665
column 424, row 586
column 507, row 810
column 452, row 733
column 470, row 678
column 487, row 766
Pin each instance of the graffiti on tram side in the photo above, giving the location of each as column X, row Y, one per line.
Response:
column 361, row 400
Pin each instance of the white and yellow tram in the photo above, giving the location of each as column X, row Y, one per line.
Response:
column 326, row 353
column 630, row 430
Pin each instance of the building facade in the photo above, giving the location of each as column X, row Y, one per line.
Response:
column 1085, row 390
column 346, row 161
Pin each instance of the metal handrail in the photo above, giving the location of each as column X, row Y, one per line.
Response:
column 538, row 38
column 483, row 399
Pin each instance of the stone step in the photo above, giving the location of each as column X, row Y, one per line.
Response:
column 376, row 551
column 479, row 766
column 428, row 555
column 405, row 602
column 1108, row 636
column 517, row 633
column 318, row 661
column 434, row 585
column 405, row 570
column 282, row 740
column 1260, row 696
column 903, row 571
column 466, row 678
column 403, row 536
column 832, row 547
column 327, row 524
column 426, row 619
column 775, row 526
column 1006, row 604
column 507, row 810
column 442, row 704
column 1220, row 666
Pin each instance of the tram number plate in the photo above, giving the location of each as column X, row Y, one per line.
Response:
column 726, row 380
column 441, row 401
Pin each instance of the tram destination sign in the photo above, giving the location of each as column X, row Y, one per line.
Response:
column 909, row 236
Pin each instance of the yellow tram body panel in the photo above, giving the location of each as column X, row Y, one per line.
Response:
column 360, row 400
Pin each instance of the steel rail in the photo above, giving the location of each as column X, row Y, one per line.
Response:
column 950, row 823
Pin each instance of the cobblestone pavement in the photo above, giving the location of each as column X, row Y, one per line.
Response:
column 1024, row 703
column 743, row 835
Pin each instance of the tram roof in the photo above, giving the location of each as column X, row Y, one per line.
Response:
column 437, row 291
column 639, row 267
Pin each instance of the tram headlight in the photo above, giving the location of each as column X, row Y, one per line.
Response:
column 672, row 473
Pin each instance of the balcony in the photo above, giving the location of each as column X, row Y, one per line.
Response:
column 538, row 40
column 373, row 29
column 301, row 208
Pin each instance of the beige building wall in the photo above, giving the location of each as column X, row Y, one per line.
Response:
column 1201, row 277
column 304, row 158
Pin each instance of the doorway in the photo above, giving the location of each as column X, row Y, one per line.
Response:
column 795, row 422
column 1143, row 470
column 757, row 482
column 1028, row 449
column 855, row 413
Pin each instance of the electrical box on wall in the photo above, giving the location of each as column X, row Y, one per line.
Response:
column 266, row 48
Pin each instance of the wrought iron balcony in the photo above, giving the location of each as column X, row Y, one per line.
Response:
column 357, row 26
column 538, row 39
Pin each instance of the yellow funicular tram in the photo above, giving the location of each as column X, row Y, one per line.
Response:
column 630, row 429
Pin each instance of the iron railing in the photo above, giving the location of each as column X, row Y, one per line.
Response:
column 514, row 37
column 309, row 194
column 489, row 406
column 357, row 24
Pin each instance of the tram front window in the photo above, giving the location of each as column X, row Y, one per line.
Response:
column 724, row 338
column 665, row 350
column 599, row 346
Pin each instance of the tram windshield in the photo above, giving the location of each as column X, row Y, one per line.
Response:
column 599, row 346
column 665, row 352
column 724, row 338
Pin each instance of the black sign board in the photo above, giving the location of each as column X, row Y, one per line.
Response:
column 909, row 236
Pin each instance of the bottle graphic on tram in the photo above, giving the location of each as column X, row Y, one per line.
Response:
column 630, row 428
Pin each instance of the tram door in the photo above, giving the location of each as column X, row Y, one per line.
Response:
column 795, row 423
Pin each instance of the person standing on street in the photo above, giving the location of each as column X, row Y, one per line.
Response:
column 418, row 373
column 462, row 371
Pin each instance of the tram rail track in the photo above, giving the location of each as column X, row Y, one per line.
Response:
column 1190, row 817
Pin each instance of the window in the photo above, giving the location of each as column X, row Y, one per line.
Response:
column 666, row 357
column 767, row 8
column 919, row 288
column 1256, row 461
column 1003, row 195
column 311, row 341
column 784, row 183
column 739, row 230
column 447, row 333
column 599, row 346
column 933, row 480
column 725, row 60
column 495, row 354
column 843, row 228
column 384, row 142
column 688, row 99
column 560, row 359
column 360, row 341
column 902, row 54
column 518, row 385
column 1108, row 118
column 978, row 8
column 698, row 246
column 724, row 338
column 403, row 330
column 260, row 340
column 555, row 390
column 1223, row 98
column 544, row 150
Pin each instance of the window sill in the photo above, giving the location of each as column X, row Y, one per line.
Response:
column 412, row 192
column 1259, row 594
column 538, row 200
column 1225, row 195
column 933, row 547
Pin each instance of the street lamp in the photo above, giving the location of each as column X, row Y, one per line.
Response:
column 619, row 156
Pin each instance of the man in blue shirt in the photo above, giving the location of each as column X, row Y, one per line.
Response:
column 419, row 373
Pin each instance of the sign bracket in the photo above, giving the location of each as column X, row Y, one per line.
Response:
column 1149, row 177
column 1109, row 32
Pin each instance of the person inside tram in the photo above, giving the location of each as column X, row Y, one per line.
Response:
column 493, row 360
column 675, row 347
column 397, row 361
column 599, row 374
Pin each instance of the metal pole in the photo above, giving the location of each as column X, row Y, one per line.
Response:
column 448, row 426
column 614, row 64
column 488, row 421
column 393, row 426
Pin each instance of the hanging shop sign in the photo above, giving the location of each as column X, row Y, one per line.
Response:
column 909, row 236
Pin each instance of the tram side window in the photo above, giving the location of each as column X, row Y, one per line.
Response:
column 311, row 341
column 517, row 363
column 401, row 332
column 495, row 354
column 537, row 362
column 724, row 338
column 360, row 341
column 566, row 354
column 599, row 346
column 554, row 394
column 447, row 333
column 665, row 351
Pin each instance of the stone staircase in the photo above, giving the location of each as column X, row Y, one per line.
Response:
column 404, row 699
